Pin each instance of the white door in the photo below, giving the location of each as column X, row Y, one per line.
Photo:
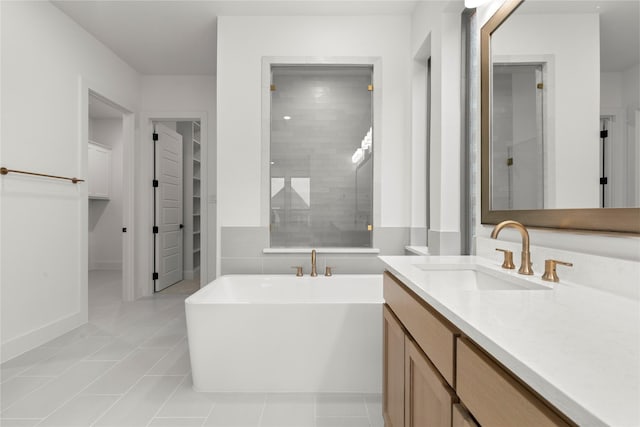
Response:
column 168, row 243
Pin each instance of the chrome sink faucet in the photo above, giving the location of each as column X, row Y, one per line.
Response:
column 314, row 272
column 525, row 266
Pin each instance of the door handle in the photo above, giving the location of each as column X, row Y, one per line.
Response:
column 181, row 226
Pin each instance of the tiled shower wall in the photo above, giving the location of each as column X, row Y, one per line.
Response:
column 242, row 253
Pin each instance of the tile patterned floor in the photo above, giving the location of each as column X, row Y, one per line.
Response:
column 129, row 366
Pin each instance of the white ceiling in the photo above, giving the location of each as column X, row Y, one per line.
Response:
column 179, row 36
column 619, row 26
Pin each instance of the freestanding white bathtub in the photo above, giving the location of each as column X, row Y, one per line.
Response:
column 263, row 333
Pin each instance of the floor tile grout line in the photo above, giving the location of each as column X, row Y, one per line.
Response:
column 366, row 409
column 42, row 386
column 3, row 380
column 264, row 407
column 123, row 394
column 210, row 412
column 75, row 395
column 117, row 400
column 184, row 378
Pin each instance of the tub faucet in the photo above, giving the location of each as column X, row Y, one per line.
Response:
column 525, row 266
column 314, row 271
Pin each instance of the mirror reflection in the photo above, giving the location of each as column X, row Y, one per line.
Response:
column 565, row 106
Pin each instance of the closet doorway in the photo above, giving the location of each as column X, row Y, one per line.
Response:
column 177, row 206
column 108, row 189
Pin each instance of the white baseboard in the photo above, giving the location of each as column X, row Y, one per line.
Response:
column 16, row 346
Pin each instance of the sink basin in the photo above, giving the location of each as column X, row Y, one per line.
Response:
column 475, row 280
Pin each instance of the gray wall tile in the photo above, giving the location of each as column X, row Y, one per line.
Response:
column 242, row 253
column 241, row 266
column 243, row 241
column 391, row 240
column 418, row 236
column 348, row 264
column 282, row 263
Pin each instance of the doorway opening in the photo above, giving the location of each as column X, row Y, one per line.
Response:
column 108, row 139
column 517, row 141
column 177, row 206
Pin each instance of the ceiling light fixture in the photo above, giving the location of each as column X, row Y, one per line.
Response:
column 287, row 117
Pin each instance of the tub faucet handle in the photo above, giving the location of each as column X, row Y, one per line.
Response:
column 327, row 271
column 298, row 270
column 314, row 272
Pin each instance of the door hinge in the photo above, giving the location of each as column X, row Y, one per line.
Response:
column 155, row 183
column 272, row 88
column 604, row 133
column 510, row 161
column 540, row 86
column 124, row 229
column 155, row 229
column 370, row 88
column 155, row 136
column 155, row 276
column 603, row 181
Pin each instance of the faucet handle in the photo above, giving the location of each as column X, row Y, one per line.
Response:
column 327, row 271
column 550, row 269
column 508, row 259
column 298, row 270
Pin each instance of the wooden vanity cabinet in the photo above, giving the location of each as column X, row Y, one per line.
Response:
column 393, row 372
column 461, row 417
column 434, row 376
column 428, row 398
column 493, row 396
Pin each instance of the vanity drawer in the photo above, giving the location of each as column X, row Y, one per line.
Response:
column 435, row 336
column 493, row 396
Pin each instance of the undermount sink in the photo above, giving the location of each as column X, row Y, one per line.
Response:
column 475, row 280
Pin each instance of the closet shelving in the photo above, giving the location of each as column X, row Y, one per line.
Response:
column 192, row 190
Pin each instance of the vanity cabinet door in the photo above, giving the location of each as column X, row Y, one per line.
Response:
column 461, row 417
column 428, row 398
column 393, row 343
column 435, row 336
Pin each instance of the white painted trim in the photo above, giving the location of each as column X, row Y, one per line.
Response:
column 36, row 337
column 265, row 88
column 548, row 62
column 128, row 184
column 145, row 284
column 418, row 250
column 321, row 250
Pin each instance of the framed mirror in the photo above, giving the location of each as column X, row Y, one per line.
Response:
column 560, row 117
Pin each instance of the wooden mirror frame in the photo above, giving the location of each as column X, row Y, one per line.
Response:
column 619, row 220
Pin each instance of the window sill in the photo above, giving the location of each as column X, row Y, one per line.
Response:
column 321, row 250
column 417, row 250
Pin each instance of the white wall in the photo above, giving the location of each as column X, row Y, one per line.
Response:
column 243, row 41
column 43, row 223
column 105, row 216
column 571, row 144
column 178, row 97
column 436, row 32
column 618, row 246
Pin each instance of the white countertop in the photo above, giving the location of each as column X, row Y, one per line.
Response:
column 576, row 346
